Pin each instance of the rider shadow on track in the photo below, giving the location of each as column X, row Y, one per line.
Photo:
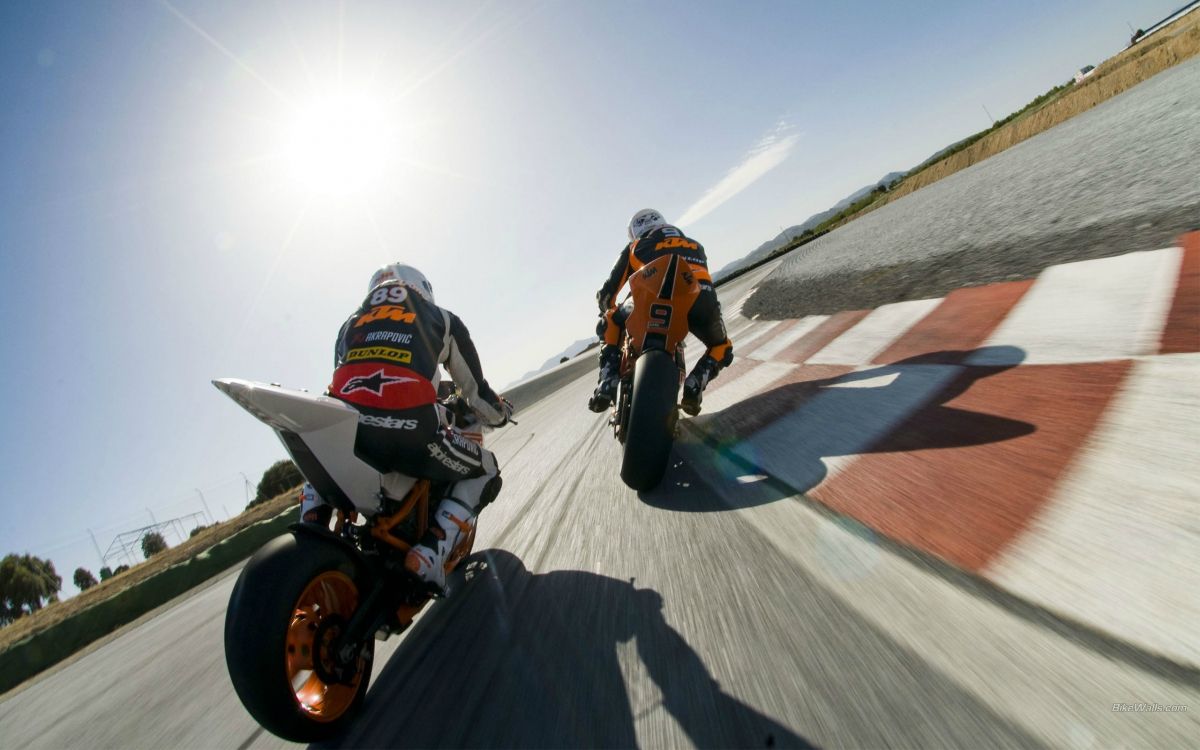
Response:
column 788, row 432
column 517, row 659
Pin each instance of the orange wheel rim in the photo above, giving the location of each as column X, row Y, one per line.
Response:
column 322, row 610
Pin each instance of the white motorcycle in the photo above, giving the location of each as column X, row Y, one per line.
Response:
column 304, row 615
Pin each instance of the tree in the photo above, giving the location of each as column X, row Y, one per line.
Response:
column 25, row 581
column 84, row 579
column 105, row 573
column 152, row 544
column 281, row 477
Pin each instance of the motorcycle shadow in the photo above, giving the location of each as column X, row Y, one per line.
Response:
column 776, row 444
column 518, row 659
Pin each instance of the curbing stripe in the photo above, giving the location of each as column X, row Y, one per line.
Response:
column 786, row 336
column 1182, row 331
column 756, row 333
column 961, row 323
column 1121, row 527
column 964, row 475
column 821, row 336
column 1081, row 312
column 874, row 333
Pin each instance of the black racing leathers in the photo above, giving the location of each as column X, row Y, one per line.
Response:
column 387, row 356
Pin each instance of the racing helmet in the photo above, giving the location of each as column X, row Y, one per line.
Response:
column 643, row 222
column 405, row 274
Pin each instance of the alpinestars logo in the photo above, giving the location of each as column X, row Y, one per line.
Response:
column 375, row 383
column 447, row 460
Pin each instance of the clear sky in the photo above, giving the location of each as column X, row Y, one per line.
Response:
column 178, row 200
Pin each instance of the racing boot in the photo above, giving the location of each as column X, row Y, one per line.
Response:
column 610, row 375
column 427, row 561
column 693, row 388
column 313, row 508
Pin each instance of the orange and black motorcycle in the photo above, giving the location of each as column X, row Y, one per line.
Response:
column 304, row 615
column 646, row 409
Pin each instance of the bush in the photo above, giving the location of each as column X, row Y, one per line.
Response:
column 120, row 569
column 84, row 579
column 281, row 477
column 105, row 573
column 198, row 529
column 152, row 544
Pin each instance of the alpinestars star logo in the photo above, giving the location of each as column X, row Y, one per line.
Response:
column 375, row 383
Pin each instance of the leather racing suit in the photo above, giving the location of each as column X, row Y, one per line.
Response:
column 387, row 361
column 704, row 319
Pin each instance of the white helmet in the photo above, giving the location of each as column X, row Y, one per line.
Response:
column 645, row 221
column 407, row 275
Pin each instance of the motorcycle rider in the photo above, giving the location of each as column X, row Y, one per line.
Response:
column 387, row 361
column 651, row 237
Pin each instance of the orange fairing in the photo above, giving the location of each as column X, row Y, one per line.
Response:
column 663, row 290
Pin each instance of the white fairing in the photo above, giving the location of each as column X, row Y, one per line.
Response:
column 326, row 427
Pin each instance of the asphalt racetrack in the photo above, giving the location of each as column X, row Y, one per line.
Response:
column 592, row 616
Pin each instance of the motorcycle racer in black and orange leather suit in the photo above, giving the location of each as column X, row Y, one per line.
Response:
column 387, row 361
column 650, row 238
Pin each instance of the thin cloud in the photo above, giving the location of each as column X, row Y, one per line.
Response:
column 768, row 153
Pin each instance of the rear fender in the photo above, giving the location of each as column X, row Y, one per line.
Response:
column 319, row 534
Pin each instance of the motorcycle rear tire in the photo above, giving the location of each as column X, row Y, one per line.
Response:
column 257, row 627
column 652, row 416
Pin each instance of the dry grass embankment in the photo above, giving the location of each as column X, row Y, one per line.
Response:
column 1123, row 71
column 57, row 612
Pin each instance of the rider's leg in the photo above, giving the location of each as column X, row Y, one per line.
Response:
column 313, row 508
column 478, row 483
column 610, row 329
column 420, row 443
column 704, row 321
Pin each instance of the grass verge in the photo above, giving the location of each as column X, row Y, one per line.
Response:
column 36, row 642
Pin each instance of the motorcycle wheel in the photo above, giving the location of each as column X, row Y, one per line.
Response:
column 652, row 416
column 290, row 603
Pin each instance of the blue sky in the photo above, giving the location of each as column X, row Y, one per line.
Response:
column 162, row 221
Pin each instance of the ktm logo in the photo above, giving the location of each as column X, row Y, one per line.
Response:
column 650, row 271
column 677, row 243
column 387, row 312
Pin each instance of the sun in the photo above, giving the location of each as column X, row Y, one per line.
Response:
column 340, row 144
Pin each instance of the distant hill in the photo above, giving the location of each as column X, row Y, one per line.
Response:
column 791, row 233
column 570, row 352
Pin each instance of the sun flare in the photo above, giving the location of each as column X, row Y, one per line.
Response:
column 339, row 144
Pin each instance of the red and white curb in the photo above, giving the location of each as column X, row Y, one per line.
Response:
column 1042, row 434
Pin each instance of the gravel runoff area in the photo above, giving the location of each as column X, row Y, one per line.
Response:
column 1123, row 176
